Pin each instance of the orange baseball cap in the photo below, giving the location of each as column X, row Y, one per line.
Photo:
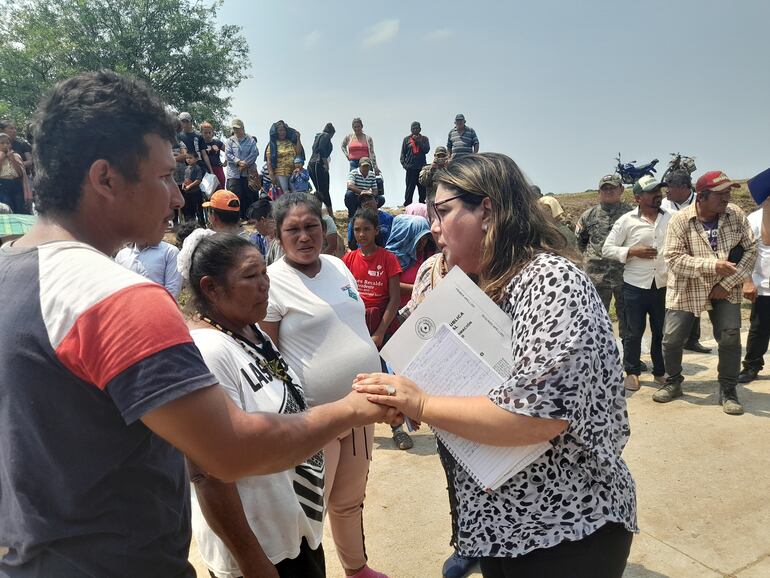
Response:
column 223, row 201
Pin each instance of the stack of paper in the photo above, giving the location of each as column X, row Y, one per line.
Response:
column 458, row 302
column 447, row 366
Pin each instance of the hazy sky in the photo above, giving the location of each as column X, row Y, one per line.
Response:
column 560, row 87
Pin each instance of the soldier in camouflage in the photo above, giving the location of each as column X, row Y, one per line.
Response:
column 592, row 229
column 428, row 172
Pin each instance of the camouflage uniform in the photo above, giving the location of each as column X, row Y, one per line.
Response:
column 428, row 173
column 607, row 275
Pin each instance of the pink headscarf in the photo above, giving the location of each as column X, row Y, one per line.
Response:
column 418, row 210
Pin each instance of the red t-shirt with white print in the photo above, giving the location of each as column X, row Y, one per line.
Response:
column 372, row 273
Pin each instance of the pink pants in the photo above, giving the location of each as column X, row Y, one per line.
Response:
column 347, row 469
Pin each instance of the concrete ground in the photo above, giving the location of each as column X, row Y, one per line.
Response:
column 703, row 483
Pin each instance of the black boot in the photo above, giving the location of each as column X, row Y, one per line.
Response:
column 748, row 375
column 696, row 347
column 728, row 398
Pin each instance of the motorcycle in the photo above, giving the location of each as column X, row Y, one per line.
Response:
column 630, row 173
column 680, row 161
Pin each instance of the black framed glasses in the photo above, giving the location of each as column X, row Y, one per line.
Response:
column 468, row 197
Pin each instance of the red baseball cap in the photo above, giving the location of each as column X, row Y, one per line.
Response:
column 224, row 201
column 715, row 181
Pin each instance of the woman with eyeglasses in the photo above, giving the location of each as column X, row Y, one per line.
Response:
column 572, row 511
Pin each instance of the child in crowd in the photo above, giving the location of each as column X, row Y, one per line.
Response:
column 261, row 218
column 368, row 201
column 14, row 185
column 268, row 192
column 376, row 271
column 299, row 181
column 191, row 190
column 213, row 147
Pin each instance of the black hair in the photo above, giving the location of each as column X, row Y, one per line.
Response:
column 227, row 217
column 368, row 215
column 214, row 256
column 4, row 123
column 290, row 200
column 184, row 231
column 92, row 116
column 329, row 129
column 260, row 209
column 678, row 178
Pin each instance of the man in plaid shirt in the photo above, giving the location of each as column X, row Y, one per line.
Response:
column 710, row 250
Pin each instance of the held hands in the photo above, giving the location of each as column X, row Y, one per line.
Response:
column 394, row 391
column 642, row 252
column 366, row 412
column 725, row 268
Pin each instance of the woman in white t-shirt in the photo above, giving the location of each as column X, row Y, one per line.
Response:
column 317, row 318
column 268, row 526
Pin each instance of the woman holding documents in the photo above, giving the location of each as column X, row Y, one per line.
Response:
column 570, row 512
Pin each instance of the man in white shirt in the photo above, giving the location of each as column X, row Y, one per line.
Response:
column 156, row 262
column 680, row 195
column 637, row 239
column 757, row 290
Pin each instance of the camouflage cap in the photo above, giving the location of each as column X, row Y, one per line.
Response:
column 613, row 179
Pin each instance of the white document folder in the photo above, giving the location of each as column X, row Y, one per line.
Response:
column 467, row 310
column 447, row 366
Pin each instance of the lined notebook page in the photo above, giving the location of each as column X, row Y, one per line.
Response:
column 448, row 366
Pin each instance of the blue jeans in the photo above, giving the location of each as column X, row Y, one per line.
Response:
column 354, row 164
column 639, row 303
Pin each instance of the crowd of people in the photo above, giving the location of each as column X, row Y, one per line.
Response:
column 264, row 391
column 670, row 260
